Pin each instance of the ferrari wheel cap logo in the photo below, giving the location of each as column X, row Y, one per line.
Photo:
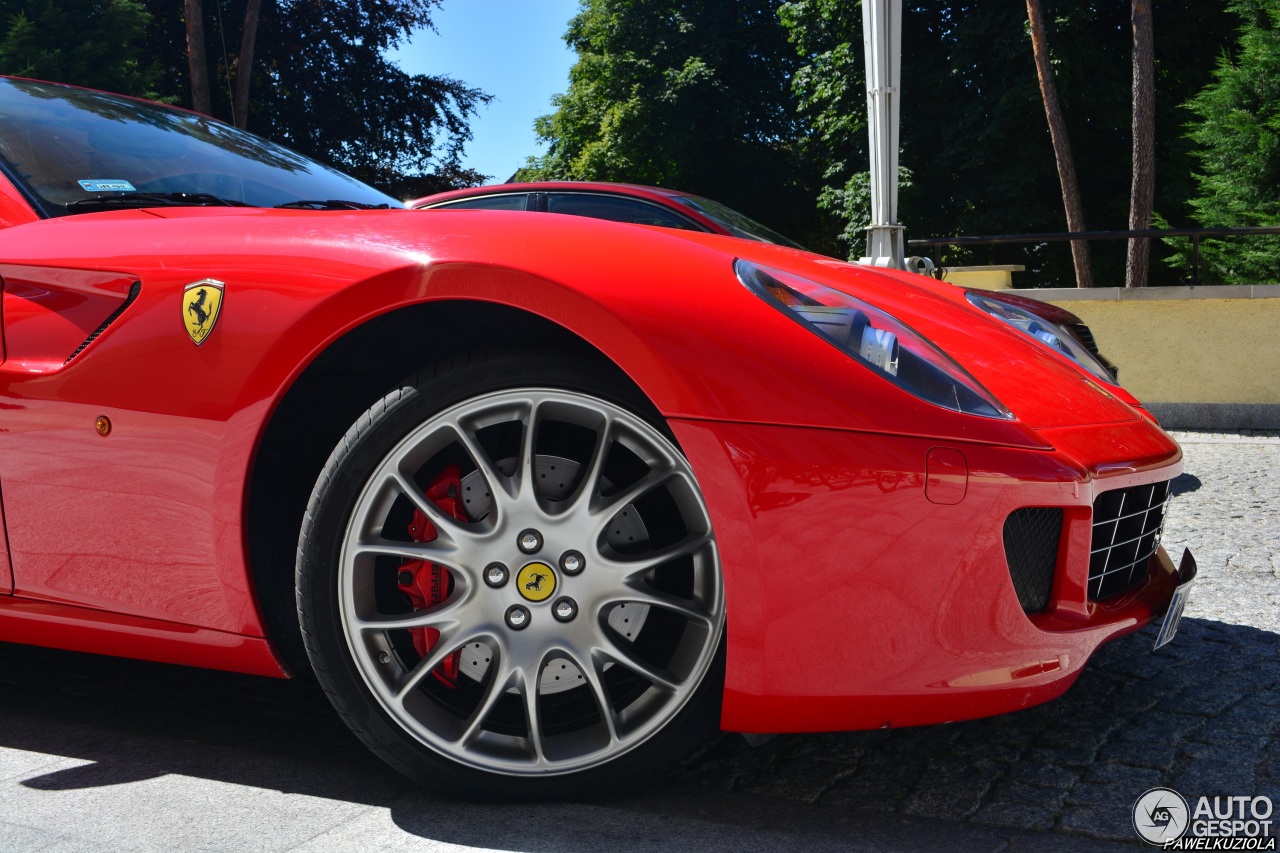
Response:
column 201, row 302
column 536, row 581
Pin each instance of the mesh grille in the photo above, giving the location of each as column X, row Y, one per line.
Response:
column 1031, row 548
column 1126, row 532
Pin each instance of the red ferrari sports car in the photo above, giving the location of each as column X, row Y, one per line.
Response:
column 537, row 499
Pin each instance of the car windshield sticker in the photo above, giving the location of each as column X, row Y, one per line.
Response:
column 107, row 185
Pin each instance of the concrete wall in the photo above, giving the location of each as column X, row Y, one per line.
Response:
column 1200, row 358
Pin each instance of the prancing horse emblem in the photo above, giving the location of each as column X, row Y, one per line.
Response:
column 201, row 302
column 537, row 581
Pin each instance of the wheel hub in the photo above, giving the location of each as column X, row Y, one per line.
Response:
column 536, row 581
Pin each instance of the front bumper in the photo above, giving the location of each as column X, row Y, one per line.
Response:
column 867, row 588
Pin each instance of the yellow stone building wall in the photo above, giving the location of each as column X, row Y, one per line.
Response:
column 1200, row 358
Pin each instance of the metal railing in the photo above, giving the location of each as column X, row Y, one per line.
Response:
column 934, row 244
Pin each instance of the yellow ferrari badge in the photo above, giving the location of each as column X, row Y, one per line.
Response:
column 201, row 302
column 536, row 581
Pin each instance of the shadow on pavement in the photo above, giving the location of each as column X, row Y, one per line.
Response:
column 1184, row 484
column 1201, row 715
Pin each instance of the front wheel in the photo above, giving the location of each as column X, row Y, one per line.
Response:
column 509, row 587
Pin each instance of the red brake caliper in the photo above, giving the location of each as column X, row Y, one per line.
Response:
column 427, row 584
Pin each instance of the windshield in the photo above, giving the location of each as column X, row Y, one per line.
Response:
column 69, row 147
column 737, row 224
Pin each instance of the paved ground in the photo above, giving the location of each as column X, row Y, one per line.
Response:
column 110, row 755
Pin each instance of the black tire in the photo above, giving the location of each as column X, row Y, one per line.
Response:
column 664, row 682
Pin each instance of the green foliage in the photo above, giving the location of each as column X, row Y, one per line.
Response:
column 92, row 43
column 974, row 135
column 851, row 204
column 327, row 89
column 689, row 94
column 322, row 85
column 1238, row 134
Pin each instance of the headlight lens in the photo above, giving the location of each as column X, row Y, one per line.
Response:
column 1055, row 337
column 889, row 347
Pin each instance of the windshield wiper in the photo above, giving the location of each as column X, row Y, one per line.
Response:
column 332, row 204
column 153, row 200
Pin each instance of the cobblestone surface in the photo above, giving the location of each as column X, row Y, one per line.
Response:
column 1202, row 715
column 79, row 734
column 1228, row 513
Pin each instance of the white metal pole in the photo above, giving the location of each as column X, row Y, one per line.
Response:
column 882, row 38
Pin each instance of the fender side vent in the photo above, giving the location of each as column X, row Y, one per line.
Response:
column 1031, row 538
column 134, row 290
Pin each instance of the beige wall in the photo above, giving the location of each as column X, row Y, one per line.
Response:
column 1188, row 346
column 995, row 277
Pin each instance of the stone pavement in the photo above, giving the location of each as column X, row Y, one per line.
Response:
column 99, row 754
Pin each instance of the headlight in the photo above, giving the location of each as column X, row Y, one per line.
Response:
column 888, row 347
column 1055, row 337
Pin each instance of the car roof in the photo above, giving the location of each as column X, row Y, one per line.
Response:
column 638, row 190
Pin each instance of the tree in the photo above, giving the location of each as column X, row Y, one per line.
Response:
column 831, row 92
column 1142, row 190
column 314, row 75
column 971, row 162
column 974, row 136
column 689, row 94
column 1061, row 142
column 244, row 66
column 201, row 101
column 1238, row 135
column 96, row 43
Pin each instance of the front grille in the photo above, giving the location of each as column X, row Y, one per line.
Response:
column 1126, row 532
column 1031, row 548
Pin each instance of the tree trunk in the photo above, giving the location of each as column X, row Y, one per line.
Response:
column 1142, row 192
column 1061, row 145
column 200, row 100
column 244, row 67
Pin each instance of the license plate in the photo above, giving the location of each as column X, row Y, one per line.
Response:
column 1186, row 576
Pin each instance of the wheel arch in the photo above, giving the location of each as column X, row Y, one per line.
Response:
column 336, row 387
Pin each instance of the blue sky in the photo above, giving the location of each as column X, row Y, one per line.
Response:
column 512, row 49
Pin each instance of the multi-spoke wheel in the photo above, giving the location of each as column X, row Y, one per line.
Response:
column 509, row 584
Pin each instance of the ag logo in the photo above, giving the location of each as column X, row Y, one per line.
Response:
column 536, row 581
column 1160, row 815
column 201, row 302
